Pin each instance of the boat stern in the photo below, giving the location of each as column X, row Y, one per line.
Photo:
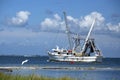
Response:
column 99, row 58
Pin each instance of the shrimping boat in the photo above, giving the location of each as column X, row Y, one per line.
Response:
column 87, row 53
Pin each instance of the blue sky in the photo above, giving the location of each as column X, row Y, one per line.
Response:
column 29, row 27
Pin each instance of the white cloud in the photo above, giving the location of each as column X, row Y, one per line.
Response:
column 52, row 23
column 79, row 24
column 72, row 21
column 21, row 18
column 57, row 17
column 114, row 28
column 88, row 19
column 56, row 23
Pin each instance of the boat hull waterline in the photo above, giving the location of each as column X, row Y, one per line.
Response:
column 70, row 58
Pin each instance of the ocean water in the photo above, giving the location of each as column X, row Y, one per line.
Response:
column 109, row 69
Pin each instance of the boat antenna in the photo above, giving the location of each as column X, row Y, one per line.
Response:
column 87, row 38
column 67, row 30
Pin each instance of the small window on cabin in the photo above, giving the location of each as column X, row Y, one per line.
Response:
column 55, row 51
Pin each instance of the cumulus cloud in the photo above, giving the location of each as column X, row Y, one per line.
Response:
column 79, row 24
column 21, row 18
column 52, row 23
column 88, row 19
column 114, row 28
column 57, row 23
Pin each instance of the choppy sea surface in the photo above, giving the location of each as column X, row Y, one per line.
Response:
column 109, row 69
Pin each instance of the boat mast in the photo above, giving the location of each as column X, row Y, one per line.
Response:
column 68, row 31
column 87, row 38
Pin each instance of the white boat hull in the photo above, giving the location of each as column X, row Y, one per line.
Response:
column 72, row 58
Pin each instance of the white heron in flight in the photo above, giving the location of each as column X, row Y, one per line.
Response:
column 24, row 61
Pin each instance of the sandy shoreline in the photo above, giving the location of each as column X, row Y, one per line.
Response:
column 10, row 69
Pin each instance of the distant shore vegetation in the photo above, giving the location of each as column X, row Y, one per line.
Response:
column 4, row 76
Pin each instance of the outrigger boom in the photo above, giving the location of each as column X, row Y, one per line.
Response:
column 68, row 31
column 87, row 38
